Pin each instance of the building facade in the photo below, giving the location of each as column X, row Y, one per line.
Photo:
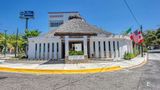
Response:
column 58, row 18
column 77, row 36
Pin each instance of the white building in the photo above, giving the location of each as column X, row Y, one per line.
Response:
column 58, row 18
column 77, row 35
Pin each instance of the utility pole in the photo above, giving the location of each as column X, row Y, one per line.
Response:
column 5, row 43
column 26, row 29
column 141, row 28
column 16, row 48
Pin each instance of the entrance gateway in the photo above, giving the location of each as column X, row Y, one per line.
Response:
column 76, row 40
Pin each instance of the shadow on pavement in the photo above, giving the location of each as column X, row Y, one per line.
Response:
column 54, row 62
column 3, row 78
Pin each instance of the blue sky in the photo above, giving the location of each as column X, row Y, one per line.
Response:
column 111, row 15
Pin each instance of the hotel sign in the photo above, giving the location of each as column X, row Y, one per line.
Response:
column 27, row 14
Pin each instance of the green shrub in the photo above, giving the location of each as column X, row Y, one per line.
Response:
column 21, row 56
column 145, row 50
column 76, row 53
column 128, row 56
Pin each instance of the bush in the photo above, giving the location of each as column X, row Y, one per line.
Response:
column 22, row 56
column 128, row 56
column 145, row 50
column 76, row 53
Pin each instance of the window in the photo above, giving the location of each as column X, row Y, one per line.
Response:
column 99, row 46
column 57, row 47
column 36, row 47
column 40, row 50
column 118, row 48
column 44, row 45
column 104, row 45
column 56, row 23
column 52, row 47
column 109, row 45
column 48, row 47
column 36, row 50
column 114, row 48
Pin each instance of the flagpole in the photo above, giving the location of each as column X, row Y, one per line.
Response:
column 141, row 28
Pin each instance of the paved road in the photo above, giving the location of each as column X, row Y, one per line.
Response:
column 142, row 78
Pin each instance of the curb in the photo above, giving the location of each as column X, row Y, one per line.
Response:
column 43, row 71
column 139, row 65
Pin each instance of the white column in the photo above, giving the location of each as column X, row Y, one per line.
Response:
column 116, row 48
column 91, row 48
column 112, row 51
column 85, row 45
column 66, row 47
column 31, row 51
column 96, row 49
column 42, row 51
column 102, row 48
column 121, row 49
column 50, row 51
column 59, row 50
column 55, row 50
column 46, row 51
column 124, row 47
column 129, row 47
column 37, row 51
column 107, row 49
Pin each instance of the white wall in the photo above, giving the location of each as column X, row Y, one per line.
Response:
column 44, row 55
column 125, row 45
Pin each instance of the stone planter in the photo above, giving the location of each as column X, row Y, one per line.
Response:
column 76, row 57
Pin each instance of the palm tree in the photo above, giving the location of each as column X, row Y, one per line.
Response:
column 32, row 33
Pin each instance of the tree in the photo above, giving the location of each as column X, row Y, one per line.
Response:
column 12, row 41
column 32, row 33
column 22, row 40
column 158, row 33
column 152, row 37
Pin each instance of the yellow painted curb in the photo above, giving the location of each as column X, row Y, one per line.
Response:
column 81, row 71
column 43, row 71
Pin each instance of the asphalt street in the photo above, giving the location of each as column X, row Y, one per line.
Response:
column 146, row 77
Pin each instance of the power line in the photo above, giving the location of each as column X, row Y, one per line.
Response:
column 130, row 10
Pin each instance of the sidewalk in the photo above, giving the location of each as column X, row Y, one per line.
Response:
column 77, row 67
